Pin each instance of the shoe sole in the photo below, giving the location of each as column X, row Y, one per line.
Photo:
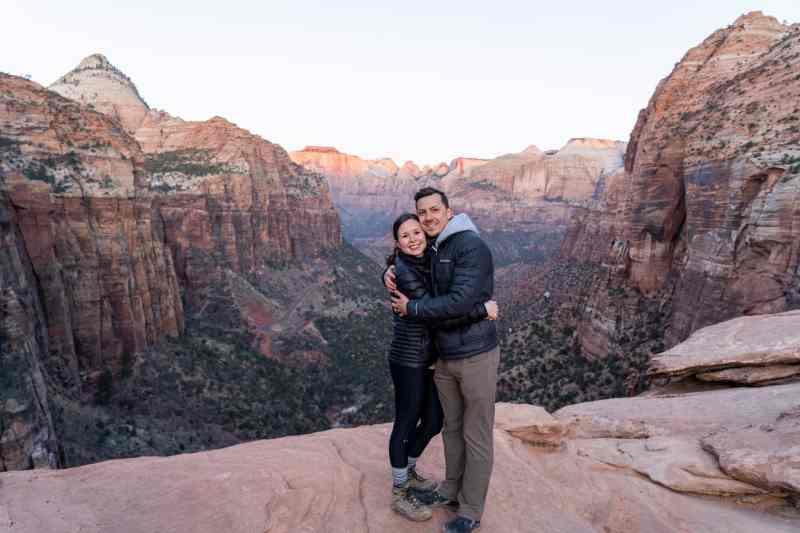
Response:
column 444, row 528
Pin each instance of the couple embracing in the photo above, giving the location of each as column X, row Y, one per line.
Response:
column 443, row 360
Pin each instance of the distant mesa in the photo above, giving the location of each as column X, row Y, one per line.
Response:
column 321, row 149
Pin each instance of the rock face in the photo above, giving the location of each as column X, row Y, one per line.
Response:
column 230, row 193
column 713, row 173
column 27, row 434
column 96, row 266
column 96, row 248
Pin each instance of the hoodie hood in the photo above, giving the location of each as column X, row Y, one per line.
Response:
column 460, row 222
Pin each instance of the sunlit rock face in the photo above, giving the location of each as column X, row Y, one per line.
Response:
column 93, row 238
column 228, row 199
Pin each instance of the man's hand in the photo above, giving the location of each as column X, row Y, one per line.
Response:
column 491, row 309
column 399, row 303
column 389, row 280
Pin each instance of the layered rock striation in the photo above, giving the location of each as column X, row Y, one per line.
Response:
column 95, row 244
column 714, row 176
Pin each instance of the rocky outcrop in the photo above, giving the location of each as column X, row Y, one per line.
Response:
column 117, row 241
column 718, row 460
column 747, row 350
column 339, row 480
column 229, row 201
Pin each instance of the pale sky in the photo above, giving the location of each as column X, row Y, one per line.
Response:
column 421, row 80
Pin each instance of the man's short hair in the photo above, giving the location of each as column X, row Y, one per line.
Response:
column 428, row 191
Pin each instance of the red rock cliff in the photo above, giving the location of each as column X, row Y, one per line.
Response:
column 706, row 225
column 96, row 246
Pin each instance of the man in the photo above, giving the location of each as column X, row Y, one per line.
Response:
column 462, row 273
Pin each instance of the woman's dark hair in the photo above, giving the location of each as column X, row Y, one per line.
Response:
column 395, row 228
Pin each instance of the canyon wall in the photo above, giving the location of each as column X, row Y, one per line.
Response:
column 124, row 224
column 709, row 222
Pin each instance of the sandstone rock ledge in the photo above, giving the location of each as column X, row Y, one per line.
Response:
column 337, row 481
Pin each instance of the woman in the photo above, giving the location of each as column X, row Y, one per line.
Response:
column 418, row 413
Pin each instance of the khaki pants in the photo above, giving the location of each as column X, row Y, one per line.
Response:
column 467, row 392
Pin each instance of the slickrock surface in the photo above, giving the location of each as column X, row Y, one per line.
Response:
column 338, row 481
column 767, row 455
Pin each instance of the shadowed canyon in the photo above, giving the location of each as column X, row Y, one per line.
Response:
column 174, row 292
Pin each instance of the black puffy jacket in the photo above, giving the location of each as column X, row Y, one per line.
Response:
column 462, row 272
column 411, row 342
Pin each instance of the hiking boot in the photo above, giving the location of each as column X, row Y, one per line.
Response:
column 434, row 498
column 406, row 504
column 418, row 482
column 461, row 524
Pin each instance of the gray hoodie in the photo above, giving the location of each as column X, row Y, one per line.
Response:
column 460, row 222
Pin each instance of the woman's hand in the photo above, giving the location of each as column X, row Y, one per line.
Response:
column 389, row 279
column 399, row 303
column 491, row 309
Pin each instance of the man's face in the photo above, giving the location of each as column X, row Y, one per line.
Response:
column 433, row 214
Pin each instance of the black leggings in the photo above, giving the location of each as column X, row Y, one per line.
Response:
column 418, row 414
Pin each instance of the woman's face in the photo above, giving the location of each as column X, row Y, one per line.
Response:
column 411, row 238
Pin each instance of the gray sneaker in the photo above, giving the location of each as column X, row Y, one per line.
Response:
column 406, row 504
column 419, row 482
